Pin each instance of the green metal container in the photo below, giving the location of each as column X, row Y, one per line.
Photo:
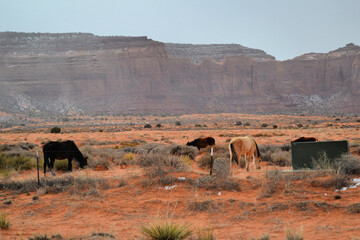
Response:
column 303, row 153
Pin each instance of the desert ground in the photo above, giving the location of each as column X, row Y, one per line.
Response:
column 118, row 199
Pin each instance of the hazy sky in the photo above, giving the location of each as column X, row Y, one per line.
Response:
column 282, row 28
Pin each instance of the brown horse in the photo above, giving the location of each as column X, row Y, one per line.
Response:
column 244, row 146
column 305, row 139
column 202, row 142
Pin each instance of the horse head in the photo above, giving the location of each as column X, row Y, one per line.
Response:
column 83, row 162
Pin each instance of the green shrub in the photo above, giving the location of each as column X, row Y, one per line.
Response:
column 4, row 222
column 275, row 126
column 158, row 125
column 19, row 163
column 147, row 126
column 166, row 231
column 61, row 165
column 55, row 130
column 264, row 125
column 247, row 124
column 177, row 123
column 238, row 123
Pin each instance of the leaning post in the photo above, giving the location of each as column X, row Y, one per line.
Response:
column 211, row 160
column 37, row 165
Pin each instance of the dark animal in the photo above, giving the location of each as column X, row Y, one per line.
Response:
column 305, row 139
column 202, row 142
column 62, row 150
column 244, row 146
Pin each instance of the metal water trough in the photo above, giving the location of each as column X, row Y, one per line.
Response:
column 303, row 153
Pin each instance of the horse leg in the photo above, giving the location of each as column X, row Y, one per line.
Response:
column 231, row 159
column 230, row 165
column 52, row 160
column 256, row 162
column 247, row 163
column 46, row 163
column 70, row 164
column 253, row 158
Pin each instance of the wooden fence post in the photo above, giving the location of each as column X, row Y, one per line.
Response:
column 37, row 165
column 212, row 160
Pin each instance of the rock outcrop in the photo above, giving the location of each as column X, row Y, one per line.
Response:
column 76, row 72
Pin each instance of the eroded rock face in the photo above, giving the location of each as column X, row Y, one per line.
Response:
column 71, row 73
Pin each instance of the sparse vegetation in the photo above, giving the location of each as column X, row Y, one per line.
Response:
column 276, row 154
column 238, row 123
column 55, row 185
column 55, row 130
column 354, row 208
column 177, row 123
column 294, row 234
column 217, row 183
column 147, row 125
column 166, row 230
column 18, row 163
column 203, row 206
column 205, row 234
column 61, row 165
column 4, row 222
column 148, row 171
column 265, row 236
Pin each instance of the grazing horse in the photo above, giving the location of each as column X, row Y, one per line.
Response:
column 62, row 150
column 305, row 139
column 202, row 142
column 247, row 146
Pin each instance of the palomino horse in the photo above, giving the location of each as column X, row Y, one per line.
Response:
column 244, row 146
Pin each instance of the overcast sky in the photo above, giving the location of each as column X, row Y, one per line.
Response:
column 282, row 28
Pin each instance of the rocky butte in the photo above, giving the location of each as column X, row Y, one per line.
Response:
column 80, row 72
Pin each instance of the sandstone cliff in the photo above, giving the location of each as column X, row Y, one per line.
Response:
column 71, row 73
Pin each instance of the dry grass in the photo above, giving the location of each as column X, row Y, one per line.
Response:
column 216, row 183
column 203, row 206
column 55, row 185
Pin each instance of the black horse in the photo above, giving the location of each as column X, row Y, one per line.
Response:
column 202, row 142
column 62, row 150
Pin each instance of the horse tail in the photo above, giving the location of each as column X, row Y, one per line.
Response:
column 233, row 153
column 257, row 150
